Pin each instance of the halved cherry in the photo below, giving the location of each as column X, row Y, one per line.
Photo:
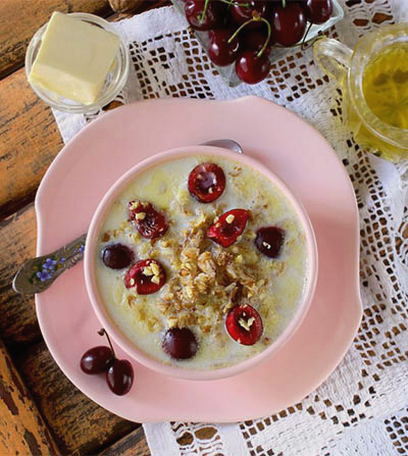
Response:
column 150, row 223
column 228, row 227
column 148, row 276
column 244, row 324
column 269, row 240
column 206, row 182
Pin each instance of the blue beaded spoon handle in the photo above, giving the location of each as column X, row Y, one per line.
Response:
column 37, row 274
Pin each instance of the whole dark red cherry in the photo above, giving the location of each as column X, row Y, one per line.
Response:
column 117, row 256
column 206, row 182
column 269, row 240
column 220, row 51
column 96, row 360
column 119, row 376
column 318, row 11
column 150, row 223
column 252, row 69
column 241, row 13
column 254, row 40
column 180, row 343
column 244, row 324
column 288, row 24
column 213, row 18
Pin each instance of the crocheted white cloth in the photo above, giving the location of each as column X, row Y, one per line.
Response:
column 362, row 408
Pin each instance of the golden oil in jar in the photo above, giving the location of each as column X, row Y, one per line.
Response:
column 385, row 85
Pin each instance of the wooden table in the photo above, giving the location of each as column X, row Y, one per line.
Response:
column 41, row 412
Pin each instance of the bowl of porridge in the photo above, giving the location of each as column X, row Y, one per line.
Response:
column 199, row 262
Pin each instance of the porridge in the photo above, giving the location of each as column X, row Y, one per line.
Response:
column 201, row 262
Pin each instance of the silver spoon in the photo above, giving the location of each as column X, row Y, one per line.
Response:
column 37, row 274
column 225, row 144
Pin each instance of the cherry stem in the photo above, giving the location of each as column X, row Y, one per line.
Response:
column 302, row 44
column 231, row 2
column 260, row 53
column 235, row 34
column 204, row 12
column 102, row 332
column 255, row 18
column 283, row 3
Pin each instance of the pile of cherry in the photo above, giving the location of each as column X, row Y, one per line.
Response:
column 206, row 183
column 244, row 31
column 102, row 360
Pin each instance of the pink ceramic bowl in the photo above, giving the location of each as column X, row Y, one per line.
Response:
column 110, row 326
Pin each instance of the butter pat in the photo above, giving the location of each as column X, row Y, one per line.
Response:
column 74, row 58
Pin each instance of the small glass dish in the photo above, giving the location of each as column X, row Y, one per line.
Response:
column 277, row 52
column 114, row 83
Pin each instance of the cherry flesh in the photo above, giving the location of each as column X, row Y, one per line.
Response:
column 228, row 227
column 147, row 276
column 150, row 223
column 244, row 324
column 252, row 68
column 213, row 17
column 220, row 51
column 180, row 343
column 206, row 182
column 117, row 256
column 318, row 11
column 269, row 240
column 288, row 24
column 96, row 360
column 119, row 376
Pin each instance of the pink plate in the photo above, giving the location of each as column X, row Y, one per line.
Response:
column 103, row 151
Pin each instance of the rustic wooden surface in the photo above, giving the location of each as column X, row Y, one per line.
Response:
column 25, row 152
column 22, row 429
column 18, row 323
column 41, row 412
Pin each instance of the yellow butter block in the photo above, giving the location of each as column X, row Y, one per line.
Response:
column 74, row 58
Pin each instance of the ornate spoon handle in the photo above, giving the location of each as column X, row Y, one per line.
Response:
column 37, row 274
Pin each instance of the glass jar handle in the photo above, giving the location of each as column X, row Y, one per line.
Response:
column 333, row 58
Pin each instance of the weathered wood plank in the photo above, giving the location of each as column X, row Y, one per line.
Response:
column 29, row 140
column 18, row 322
column 19, row 20
column 79, row 425
column 134, row 444
column 22, row 430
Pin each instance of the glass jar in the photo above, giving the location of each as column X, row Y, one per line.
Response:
column 348, row 67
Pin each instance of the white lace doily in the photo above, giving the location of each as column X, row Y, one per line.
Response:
column 362, row 408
